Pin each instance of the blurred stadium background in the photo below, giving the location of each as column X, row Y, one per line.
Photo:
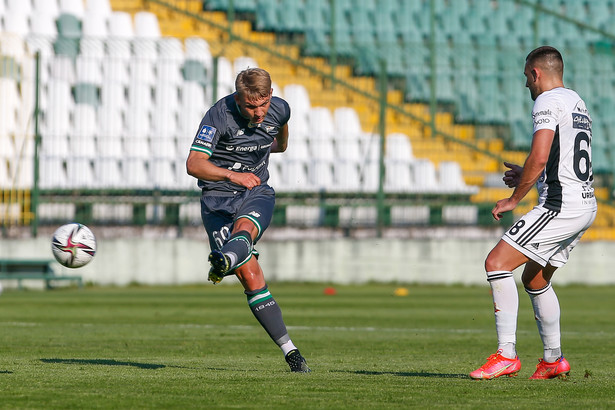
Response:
column 402, row 110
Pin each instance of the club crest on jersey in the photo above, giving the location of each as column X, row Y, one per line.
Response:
column 206, row 133
column 581, row 122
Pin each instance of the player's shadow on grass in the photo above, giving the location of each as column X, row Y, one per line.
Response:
column 409, row 374
column 105, row 362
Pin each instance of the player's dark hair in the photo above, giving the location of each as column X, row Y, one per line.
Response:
column 548, row 57
column 255, row 83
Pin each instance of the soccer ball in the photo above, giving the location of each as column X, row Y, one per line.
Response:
column 73, row 245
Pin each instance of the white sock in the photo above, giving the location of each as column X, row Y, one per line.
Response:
column 547, row 314
column 506, row 307
column 287, row 347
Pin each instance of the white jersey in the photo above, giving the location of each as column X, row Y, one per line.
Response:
column 566, row 183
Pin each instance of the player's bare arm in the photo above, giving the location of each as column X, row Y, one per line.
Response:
column 199, row 166
column 532, row 169
column 281, row 140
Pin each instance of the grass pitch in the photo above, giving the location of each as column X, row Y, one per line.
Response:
column 200, row 347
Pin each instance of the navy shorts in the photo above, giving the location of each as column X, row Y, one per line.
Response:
column 219, row 213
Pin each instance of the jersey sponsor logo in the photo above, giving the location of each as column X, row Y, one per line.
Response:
column 250, row 148
column 207, row 133
column 201, row 142
column 581, row 122
column 230, row 148
column 254, row 214
column 541, row 117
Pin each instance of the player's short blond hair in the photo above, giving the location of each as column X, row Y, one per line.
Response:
column 254, row 83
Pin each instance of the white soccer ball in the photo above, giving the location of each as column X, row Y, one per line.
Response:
column 73, row 245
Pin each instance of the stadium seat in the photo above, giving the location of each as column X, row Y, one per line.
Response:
column 320, row 121
column 349, row 148
column 347, row 176
column 226, row 77
column 296, row 175
column 19, row 6
column 162, row 174
column 170, row 47
column 397, row 177
column 424, row 176
column 198, row 49
column 16, row 23
column 320, row 175
column 42, row 24
column 95, row 25
column 243, row 62
column 140, row 97
column 146, row 25
column 56, row 116
column 193, row 70
column 398, row 148
column 48, row 7
column 88, row 70
column 142, row 71
column 451, row 180
column 322, row 148
column 110, row 129
column 346, row 123
column 135, row 174
column 120, row 25
column 86, row 93
column 79, row 172
column 94, row 48
column 100, row 7
column 53, row 173
column 290, row 16
column 74, row 7
column 298, row 148
column 266, row 15
column 369, row 172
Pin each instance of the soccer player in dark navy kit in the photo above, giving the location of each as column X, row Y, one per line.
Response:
column 229, row 157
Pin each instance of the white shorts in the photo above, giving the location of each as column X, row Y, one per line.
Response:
column 547, row 236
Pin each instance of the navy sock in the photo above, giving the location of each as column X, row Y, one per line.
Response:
column 268, row 313
column 238, row 248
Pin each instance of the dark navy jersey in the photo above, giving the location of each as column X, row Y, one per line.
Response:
column 232, row 142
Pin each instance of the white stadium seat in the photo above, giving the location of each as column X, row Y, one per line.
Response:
column 146, row 25
column 120, row 25
column 346, row 123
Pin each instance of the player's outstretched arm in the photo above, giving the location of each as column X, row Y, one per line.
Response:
column 199, row 166
column 281, row 140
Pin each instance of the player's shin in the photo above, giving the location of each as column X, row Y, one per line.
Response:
column 269, row 315
column 238, row 248
column 506, row 307
column 547, row 314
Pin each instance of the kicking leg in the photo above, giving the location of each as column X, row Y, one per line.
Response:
column 235, row 252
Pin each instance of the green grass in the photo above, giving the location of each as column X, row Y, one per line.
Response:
column 200, row 347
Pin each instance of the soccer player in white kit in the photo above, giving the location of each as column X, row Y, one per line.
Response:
column 559, row 163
